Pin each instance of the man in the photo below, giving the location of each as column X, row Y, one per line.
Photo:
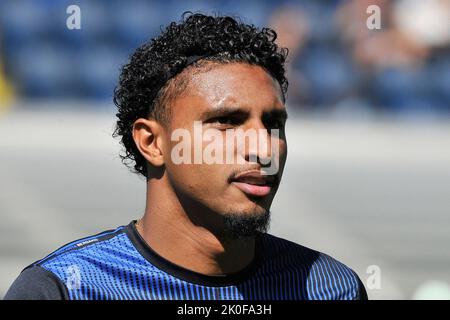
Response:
column 203, row 234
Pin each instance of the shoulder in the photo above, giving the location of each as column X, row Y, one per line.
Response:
column 83, row 246
column 323, row 276
column 87, row 253
column 53, row 276
column 37, row 283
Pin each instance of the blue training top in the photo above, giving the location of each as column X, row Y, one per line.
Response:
column 119, row 264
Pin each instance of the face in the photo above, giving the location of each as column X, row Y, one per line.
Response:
column 225, row 98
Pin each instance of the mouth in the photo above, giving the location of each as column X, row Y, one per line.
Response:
column 253, row 183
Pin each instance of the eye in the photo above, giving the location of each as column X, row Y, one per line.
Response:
column 274, row 123
column 225, row 120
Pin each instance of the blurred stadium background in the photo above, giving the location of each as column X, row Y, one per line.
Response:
column 369, row 135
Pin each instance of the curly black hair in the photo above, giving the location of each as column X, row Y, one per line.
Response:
column 147, row 82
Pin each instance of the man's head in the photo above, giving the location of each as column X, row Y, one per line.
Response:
column 224, row 76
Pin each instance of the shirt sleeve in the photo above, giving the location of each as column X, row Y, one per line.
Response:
column 37, row 283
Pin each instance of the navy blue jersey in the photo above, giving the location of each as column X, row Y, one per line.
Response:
column 118, row 264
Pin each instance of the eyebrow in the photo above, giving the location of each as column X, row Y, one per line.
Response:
column 226, row 111
column 223, row 111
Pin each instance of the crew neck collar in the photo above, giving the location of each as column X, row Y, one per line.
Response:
column 188, row 275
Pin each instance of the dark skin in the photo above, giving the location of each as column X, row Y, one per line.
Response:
column 185, row 202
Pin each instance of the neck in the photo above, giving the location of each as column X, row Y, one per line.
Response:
column 175, row 231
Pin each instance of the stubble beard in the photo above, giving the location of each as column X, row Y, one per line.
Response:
column 244, row 225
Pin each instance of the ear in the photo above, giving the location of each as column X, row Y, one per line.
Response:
column 147, row 135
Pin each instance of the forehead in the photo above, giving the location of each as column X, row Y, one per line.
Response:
column 238, row 85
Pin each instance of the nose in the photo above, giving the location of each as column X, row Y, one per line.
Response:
column 259, row 147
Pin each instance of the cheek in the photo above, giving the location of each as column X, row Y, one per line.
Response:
column 279, row 154
column 186, row 159
column 198, row 180
column 283, row 153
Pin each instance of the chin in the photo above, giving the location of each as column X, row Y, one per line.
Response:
column 249, row 209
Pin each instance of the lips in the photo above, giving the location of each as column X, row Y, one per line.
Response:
column 253, row 183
